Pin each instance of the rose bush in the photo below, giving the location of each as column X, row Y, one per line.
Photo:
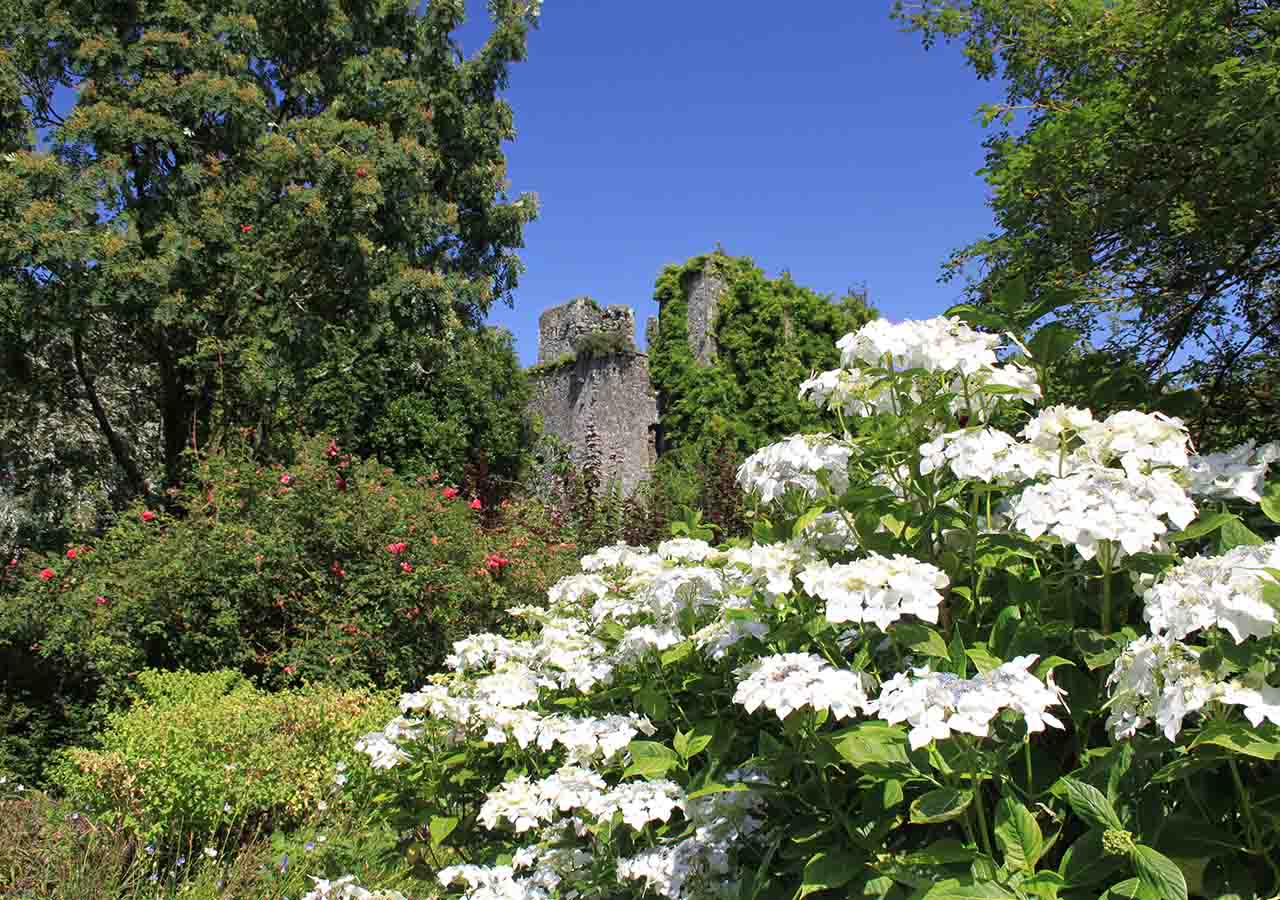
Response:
column 954, row 662
column 285, row 574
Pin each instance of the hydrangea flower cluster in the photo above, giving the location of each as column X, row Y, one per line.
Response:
column 1158, row 678
column 1223, row 591
column 877, row 589
column 1093, row 504
column 345, row 888
column 790, row 681
column 795, row 464
column 935, row 704
column 1238, row 473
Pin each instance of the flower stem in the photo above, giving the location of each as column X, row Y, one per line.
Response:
column 1104, row 557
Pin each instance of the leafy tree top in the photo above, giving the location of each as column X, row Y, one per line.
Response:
column 1133, row 176
column 251, row 191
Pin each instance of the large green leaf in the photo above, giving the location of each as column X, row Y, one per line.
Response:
column 941, row 805
column 1239, row 737
column 650, row 759
column 1018, row 834
column 831, row 869
column 1158, row 874
column 874, row 747
column 967, row 889
column 1090, row 804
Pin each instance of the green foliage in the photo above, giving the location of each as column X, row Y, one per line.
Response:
column 201, row 753
column 455, row 408
column 770, row 335
column 1129, row 181
column 250, row 205
column 52, row 850
column 332, row 569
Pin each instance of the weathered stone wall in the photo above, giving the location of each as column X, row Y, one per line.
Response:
column 704, row 289
column 561, row 329
column 610, row 394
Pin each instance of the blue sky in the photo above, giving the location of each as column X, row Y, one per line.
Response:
column 821, row 140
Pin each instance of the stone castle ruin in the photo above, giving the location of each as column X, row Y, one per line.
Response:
column 591, row 386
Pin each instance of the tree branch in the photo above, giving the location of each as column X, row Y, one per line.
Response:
column 118, row 448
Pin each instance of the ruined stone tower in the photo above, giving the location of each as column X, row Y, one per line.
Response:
column 591, row 380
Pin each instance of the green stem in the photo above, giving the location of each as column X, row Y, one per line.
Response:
column 1026, row 756
column 1104, row 557
column 982, row 815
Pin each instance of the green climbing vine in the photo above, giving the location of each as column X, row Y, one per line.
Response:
column 770, row 333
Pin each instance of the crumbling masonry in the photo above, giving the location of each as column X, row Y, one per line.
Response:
column 592, row 384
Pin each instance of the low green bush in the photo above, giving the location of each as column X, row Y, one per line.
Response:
column 332, row 570
column 198, row 754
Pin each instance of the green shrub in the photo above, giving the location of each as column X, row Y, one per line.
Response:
column 198, row 752
column 333, row 570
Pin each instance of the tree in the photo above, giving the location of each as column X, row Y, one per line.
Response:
column 244, row 198
column 1134, row 180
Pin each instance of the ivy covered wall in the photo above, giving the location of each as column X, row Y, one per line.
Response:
column 767, row 335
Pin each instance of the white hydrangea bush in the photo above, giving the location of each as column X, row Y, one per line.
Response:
column 974, row 649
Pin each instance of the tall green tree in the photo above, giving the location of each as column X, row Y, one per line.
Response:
column 237, row 204
column 1135, row 180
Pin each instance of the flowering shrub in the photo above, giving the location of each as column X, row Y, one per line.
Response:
column 954, row 662
column 202, row 753
column 331, row 570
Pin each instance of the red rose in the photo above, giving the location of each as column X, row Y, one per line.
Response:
column 332, row 450
column 495, row 562
column 71, row 554
column 148, row 516
column 342, row 483
column 360, row 172
column 406, row 568
column 397, row 548
column 245, row 229
column 449, row 493
column 101, row 600
column 47, row 574
column 476, row 504
column 337, row 570
column 286, row 478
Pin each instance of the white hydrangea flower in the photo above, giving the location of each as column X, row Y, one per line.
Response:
column 687, row 550
column 1157, row 678
column 768, row 568
column 853, row 392
column 1225, row 591
column 1094, row 504
column 830, row 531
column 936, row 345
column 642, row 640
column 519, row 802
column 1260, row 704
column 590, row 738
column 639, row 802
column 794, row 464
column 936, row 704
column 718, row 637
column 1140, row 441
column 573, row 590
column 1240, row 472
column 877, row 589
column 981, row 454
column 345, row 888
column 493, row 883
column 786, row 682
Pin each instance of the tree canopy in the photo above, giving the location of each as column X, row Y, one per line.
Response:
column 229, row 206
column 1133, row 178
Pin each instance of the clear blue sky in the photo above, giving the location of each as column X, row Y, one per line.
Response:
column 814, row 137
